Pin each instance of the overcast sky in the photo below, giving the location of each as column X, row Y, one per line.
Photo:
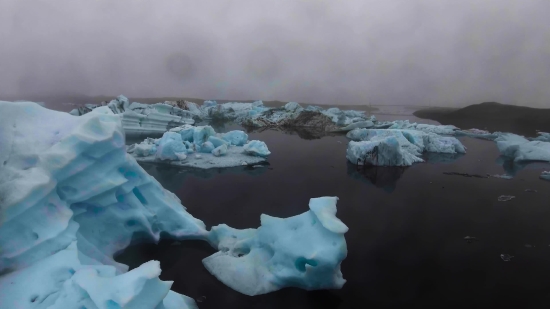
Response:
column 439, row 52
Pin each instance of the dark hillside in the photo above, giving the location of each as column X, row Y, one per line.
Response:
column 493, row 116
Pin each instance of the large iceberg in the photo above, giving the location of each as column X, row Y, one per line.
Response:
column 302, row 251
column 143, row 118
column 391, row 147
column 71, row 198
column 201, row 147
column 519, row 149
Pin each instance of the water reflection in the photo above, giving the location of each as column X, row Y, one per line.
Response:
column 171, row 177
column 383, row 177
column 307, row 133
column 512, row 168
column 438, row 158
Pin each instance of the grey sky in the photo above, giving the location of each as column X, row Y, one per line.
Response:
column 440, row 52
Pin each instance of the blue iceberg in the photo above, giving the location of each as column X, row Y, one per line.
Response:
column 216, row 150
column 72, row 198
column 393, row 147
column 303, row 251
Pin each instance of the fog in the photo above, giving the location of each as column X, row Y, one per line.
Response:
column 417, row 52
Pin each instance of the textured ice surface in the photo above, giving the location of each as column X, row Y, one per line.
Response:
column 428, row 128
column 521, row 149
column 71, row 198
column 391, row 147
column 543, row 136
column 294, row 115
column 256, row 148
column 303, row 251
column 477, row 133
column 137, row 117
column 217, row 150
column 236, row 137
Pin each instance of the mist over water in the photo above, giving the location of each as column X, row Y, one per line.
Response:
column 446, row 53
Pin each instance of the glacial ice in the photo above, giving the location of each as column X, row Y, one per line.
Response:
column 393, row 147
column 427, row 128
column 542, row 136
column 256, row 148
column 294, row 115
column 477, row 133
column 236, row 137
column 71, row 198
column 142, row 118
column 520, row 149
column 303, row 251
column 219, row 150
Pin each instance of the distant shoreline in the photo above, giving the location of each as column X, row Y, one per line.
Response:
column 493, row 117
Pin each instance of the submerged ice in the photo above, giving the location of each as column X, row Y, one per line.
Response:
column 71, row 198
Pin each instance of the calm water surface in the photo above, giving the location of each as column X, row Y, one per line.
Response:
column 406, row 244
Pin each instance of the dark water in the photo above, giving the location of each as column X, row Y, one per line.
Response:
column 406, row 244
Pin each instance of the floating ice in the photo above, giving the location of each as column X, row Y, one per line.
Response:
column 506, row 257
column 236, row 137
column 545, row 175
column 137, row 117
column 71, row 198
column 503, row 176
column 256, row 148
column 397, row 147
column 294, row 116
column 218, row 150
column 303, row 251
column 80, row 195
column 477, row 133
column 505, row 198
column 519, row 149
column 428, row 128
column 543, row 136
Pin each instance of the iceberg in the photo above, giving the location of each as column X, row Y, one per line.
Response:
column 477, row 133
column 142, row 118
column 519, row 149
column 72, row 198
column 545, row 175
column 303, row 251
column 217, row 150
column 256, row 148
column 236, row 137
column 542, row 136
column 392, row 147
column 293, row 115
